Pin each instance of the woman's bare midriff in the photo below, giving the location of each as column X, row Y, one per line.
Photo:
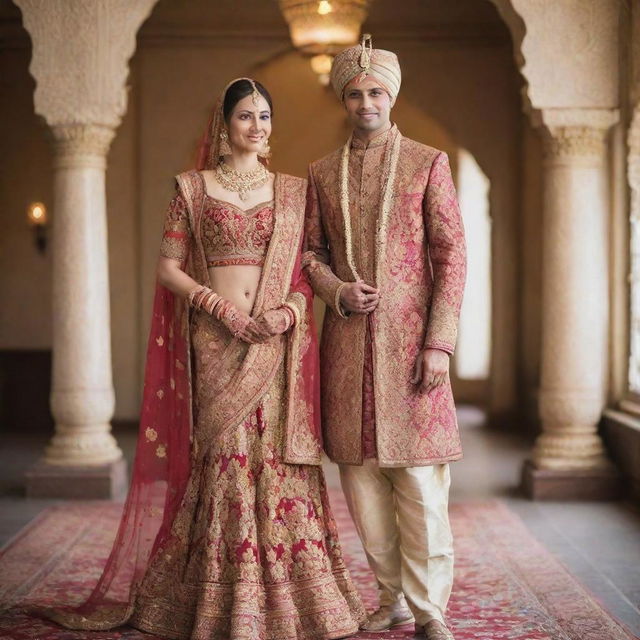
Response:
column 236, row 283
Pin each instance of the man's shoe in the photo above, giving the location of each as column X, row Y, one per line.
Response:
column 434, row 630
column 387, row 617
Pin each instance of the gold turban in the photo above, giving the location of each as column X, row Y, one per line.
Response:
column 363, row 61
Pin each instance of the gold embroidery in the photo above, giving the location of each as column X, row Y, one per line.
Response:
column 250, row 529
column 159, row 341
column 412, row 248
column 151, row 434
column 389, row 167
column 161, row 451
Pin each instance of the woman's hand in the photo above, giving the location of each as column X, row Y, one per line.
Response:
column 431, row 369
column 242, row 325
column 275, row 321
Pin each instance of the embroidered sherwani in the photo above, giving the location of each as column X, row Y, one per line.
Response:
column 421, row 279
column 391, row 440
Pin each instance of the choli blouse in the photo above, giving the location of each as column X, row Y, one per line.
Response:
column 230, row 235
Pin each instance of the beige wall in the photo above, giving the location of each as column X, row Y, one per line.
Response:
column 25, row 176
column 453, row 95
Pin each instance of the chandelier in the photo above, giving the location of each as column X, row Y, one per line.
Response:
column 322, row 28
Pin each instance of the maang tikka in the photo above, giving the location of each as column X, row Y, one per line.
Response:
column 265, row 152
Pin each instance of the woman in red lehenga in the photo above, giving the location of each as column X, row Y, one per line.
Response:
column 227, row 532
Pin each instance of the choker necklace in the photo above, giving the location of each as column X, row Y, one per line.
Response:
column 241, row 181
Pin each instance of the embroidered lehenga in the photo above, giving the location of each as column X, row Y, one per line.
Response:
column 227, row 532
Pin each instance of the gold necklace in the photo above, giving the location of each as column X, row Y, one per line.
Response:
column 389, row 168
column 241, row 181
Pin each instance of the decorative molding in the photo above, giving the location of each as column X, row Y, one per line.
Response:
column 581, row 142
column 92, row 42
column 567, row 451
column 86, row 448
column 575, row 135
column 81, row 145
column 566, row 52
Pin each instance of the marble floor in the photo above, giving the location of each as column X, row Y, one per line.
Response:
column 598, row 542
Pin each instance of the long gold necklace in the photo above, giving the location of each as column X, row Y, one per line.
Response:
column 389, row 168
column 241, row 181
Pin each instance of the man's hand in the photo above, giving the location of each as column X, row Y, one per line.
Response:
column 358, row 297
column 431, row 369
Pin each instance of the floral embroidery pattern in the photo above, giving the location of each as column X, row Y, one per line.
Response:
column 233, row 236
column 250, row 531
column 420, row 273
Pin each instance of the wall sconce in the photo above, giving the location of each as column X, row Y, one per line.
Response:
column 37, row 216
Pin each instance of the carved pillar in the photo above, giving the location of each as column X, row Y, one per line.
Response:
column 82, row 397
column 92, row 43
column 568, row 459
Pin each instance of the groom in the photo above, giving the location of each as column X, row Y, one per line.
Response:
column 385, row 250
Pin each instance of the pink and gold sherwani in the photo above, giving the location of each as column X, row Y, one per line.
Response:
column 384, row 212
column 420, row 275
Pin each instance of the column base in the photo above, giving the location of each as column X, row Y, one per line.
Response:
column 577, row 484
column 105, row 481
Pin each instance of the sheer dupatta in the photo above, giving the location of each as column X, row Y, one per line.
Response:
column 166, row 451
column 160, row 472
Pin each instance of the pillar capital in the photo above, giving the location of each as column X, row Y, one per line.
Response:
column 81, row 145
column 575, row 135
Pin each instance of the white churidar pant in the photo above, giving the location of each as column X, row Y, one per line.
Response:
column 401, row 515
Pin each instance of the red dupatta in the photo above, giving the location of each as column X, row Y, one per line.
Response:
column 165, row 451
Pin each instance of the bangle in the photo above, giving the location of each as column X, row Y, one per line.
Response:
column 205, row 299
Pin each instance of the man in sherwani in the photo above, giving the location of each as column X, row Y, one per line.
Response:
column 385, row 250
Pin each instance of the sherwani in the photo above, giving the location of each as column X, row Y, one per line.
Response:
column 399, row 499
column 422, row 279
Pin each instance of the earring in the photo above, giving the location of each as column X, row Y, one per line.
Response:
column 225, row 149
column 265, row 152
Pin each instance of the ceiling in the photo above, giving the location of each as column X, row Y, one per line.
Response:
column 433, row 19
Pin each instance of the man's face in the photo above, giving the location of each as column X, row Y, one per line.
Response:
column 368, row 105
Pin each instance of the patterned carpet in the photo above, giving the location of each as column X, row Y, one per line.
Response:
column 507, row 587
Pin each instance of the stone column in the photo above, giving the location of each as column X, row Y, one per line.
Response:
column 92, row 42
column 568, row 459
column 82, row 397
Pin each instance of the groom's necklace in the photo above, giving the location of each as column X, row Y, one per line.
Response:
column 241, row 181
column 389, row 167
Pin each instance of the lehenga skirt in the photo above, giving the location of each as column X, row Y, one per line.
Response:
column 253, row 552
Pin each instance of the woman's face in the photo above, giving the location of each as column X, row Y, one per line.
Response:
column 249, row 125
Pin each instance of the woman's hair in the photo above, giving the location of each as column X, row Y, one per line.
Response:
column 241, row 89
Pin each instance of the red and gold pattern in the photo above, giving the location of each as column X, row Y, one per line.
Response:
column 420, row 275
column 227, row 533
column 253, row 551
column 247, row 371
column 230, row 235
column 508, row 586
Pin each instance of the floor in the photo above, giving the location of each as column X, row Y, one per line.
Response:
column 598, row 543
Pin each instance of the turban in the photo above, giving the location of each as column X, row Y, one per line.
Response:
column 363, row 61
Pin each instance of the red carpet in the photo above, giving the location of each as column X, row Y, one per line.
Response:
column 508, row 587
